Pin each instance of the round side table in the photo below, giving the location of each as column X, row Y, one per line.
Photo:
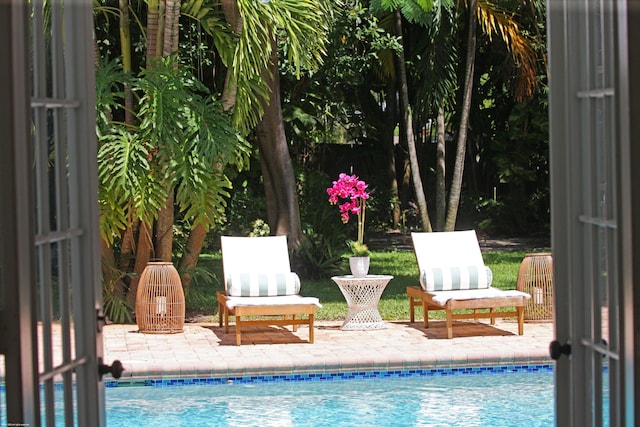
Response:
column 362, row 295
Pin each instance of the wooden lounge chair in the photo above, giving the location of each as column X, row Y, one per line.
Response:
column 453, row 277
column 260, row 288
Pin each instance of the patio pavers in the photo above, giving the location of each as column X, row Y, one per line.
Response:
column 204, row 350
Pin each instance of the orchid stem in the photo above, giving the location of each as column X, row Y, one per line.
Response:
column 361, row 222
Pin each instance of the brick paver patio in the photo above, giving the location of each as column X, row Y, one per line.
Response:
column 204, row 350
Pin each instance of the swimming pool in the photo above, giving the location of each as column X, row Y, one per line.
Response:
column 475, row 397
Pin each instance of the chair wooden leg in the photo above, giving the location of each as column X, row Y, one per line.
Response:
column 425, row 314
column 449, row 324
column 238, row 337
column 311, row 337
column 412, row 309
column 226, row 320
column 220, row 314
column 520, row 311
column 295, row 326
column 493, row 319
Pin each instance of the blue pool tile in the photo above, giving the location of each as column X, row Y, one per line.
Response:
column 342, row 376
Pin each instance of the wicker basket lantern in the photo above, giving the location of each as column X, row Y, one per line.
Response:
column 536, row 278
column 160, row 302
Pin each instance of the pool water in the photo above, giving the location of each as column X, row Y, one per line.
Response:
column 491, row 400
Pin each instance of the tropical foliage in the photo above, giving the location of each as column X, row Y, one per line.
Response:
column 221, row 116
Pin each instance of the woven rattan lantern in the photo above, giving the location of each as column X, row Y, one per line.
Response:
column 160, row 300
column 535, row 277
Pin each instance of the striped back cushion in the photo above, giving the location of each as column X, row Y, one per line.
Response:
column 453, row 278
column 262, row 284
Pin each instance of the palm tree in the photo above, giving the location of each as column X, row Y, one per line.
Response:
column 407, row 126
column 298, row 30
column 146, row 163
column 178, row 144
column 458, row 168
column 415, row 11
column 493, row 21
column 438, row 88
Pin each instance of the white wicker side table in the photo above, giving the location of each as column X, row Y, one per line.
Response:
column 362, row 295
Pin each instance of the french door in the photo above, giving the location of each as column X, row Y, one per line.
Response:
column 49, row 250
column 593, row 216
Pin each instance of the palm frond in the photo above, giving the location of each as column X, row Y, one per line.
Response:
column 495, row 21
column 300, row 25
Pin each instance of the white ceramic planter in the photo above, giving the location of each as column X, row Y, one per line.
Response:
column 359, row 265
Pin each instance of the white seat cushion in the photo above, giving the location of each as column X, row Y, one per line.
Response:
column 442, row 297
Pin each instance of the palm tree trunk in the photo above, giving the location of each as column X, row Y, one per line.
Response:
column 390, row 121
column 458, row 168
column 191, row 254
column 164, row 230
column 198, row 233
column 405, row 187
column 171, row 25
column 143, row 254
column 152, row 29
column 159, row 46
column 441, row 191
column 274, row 203
column 110, row 272
column 127, row 246
column 233, row 18
column 282, row 196
column 164, row 223
column 125, row 50
column 405, row 113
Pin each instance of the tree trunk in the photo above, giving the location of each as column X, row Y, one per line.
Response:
column 159, row 47
column 111, row 277
column 125, row 50
column 172, row 29
column 233, row 18
column 191, row 254
column 152, row 30
column 270, row 192
column 405, row 188
column 143, row 253
column 164, row 231
column 281, row 194
column 164, row 223
column 390, row 122
column 127, row 247
column 405, row 114
column 441, row 190
column 198, row 233
column 458, row 168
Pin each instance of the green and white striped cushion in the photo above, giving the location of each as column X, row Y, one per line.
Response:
column 453, row 278
column 263, row 284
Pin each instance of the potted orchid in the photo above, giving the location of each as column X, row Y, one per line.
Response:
column 350, row 193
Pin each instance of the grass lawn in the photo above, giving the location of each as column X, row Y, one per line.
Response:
column 394, row 304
